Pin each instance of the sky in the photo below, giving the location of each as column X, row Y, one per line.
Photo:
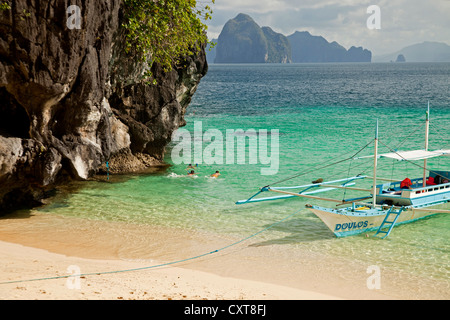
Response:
column 402, row 22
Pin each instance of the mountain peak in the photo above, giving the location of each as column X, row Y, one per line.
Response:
column 302, row 33
column 243, row 17
column 242, row 40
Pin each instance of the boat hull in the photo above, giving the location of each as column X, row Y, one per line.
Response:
column 347, row 222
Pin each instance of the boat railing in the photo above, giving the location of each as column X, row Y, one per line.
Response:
column 437, row 187
column 416, row 188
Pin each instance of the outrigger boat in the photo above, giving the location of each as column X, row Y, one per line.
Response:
column 393, row 202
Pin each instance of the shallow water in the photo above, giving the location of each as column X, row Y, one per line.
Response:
column 322, row 113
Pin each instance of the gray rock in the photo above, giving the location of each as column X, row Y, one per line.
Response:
column 241, row 41
column 400, row 58
column 70, row 99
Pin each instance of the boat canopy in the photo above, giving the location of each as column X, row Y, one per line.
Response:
column 412, row 155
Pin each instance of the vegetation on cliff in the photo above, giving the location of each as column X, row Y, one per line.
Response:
column 4, row 6
column 165, row 31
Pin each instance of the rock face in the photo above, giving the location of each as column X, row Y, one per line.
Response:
column 242, row 40
column 278, row 47
column 309, row 48
column 70, row 99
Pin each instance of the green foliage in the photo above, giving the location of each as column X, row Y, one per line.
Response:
column 24, row 14
column 4, row 5
column 164, row 31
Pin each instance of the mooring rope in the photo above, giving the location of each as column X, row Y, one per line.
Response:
column 158, row 265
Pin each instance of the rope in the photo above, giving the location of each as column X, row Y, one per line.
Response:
column 158, row 265
column 107, row 170
column 409, row 136
column 348, row 175
column 439, row 132
column 324, row 167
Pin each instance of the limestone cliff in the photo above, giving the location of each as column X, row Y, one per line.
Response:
column 70, row 99
column 242, row 40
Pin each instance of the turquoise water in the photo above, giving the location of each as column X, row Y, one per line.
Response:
column 322, row 113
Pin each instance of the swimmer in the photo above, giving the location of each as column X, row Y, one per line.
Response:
column 190, row 166
column 191, row 173
column 215, row 175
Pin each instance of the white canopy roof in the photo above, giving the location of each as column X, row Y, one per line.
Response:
column 413, row 154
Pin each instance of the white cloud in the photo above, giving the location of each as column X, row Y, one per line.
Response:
column 403, row 22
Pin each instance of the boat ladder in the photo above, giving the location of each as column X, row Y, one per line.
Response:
column 389, row 223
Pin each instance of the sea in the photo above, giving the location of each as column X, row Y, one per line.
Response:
column 296, row 123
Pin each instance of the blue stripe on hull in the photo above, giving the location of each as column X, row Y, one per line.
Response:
column 359, row 231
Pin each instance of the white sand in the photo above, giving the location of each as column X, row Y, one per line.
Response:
column 24, row 263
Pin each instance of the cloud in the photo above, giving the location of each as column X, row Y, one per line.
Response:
column 403, row 22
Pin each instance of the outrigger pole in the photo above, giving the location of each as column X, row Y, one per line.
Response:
column 308, row 194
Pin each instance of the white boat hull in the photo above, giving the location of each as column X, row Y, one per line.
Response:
column 346, row 222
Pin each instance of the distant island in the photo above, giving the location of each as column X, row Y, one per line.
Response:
column 421, row 52
column 309, row 48
column 242, row 40
column 400, row 58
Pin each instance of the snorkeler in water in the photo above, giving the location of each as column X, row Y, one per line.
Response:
column 215, row 175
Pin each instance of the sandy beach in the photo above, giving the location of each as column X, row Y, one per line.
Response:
column 45, row 246
column 165, row 283
column 31, row 261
